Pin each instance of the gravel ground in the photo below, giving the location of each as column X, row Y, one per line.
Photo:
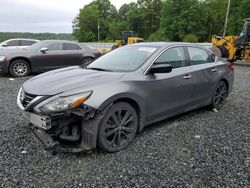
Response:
column 198, row 149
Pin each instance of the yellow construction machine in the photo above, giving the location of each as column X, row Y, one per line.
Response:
column 234, row 48
column 128, row 37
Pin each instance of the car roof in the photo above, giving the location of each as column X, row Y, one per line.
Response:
column 60, row 41
column 166, row 44
column 169, row 44
column 22, row 39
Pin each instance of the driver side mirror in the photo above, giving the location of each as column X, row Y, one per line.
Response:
column 5, row 45
column 161, row 68
column 43, row 50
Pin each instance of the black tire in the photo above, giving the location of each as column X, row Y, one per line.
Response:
column 19, row 68
column 114, row 47
column 117, row 128
column 86, row 61
column 220, row 95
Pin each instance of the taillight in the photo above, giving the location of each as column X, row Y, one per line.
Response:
column 231, row 66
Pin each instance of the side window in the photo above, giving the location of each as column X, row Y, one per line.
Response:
column 174, row 56
column 27, row 42
column 70, row 46
column 55, row 47
column 13, row 43
column 198, row 56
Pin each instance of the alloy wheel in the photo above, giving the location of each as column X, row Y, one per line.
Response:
column 20, row 68
column 220, row 95
column 119, row 128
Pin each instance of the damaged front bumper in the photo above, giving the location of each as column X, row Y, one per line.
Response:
column 74, row 131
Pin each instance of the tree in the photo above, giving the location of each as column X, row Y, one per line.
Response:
column 150, row 13
column 182, row 17
column 85, row 25
column 239, row 11
column 190, row 38
column 214, row 16
column 160, row 20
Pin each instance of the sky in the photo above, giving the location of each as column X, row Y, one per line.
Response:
column 37, row 16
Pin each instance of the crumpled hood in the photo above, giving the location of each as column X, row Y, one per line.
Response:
column 66, row 79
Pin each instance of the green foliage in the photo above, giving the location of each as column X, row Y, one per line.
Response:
column 157, row 36
column 40, row 36
column 85, row 25
column 181, row 17
column 214, row 18
column 190, row 38
column 150, row 14
column 98, row 13
column 160, row 20
column 239, row 11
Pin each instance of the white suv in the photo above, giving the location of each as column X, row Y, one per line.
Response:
column 17, row 43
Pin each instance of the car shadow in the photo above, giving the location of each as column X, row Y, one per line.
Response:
column 144, row 133
column 6, row 75
column 173, row 119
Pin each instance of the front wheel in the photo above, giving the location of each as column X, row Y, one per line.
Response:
column 220, row 95
column 19, row 68
column 118, row 127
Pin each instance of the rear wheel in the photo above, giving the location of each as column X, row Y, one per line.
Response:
column 118, row 127
column 220, row 95
column 19, row 68
column 87, row 61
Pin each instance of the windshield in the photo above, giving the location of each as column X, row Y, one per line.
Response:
column 123, row 59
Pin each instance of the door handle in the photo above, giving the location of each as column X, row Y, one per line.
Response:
column 214, row 70
column 187, row 77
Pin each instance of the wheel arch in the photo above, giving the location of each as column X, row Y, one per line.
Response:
column 20, row 58
column 88, row 56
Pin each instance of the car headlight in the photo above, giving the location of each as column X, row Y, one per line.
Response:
column 2, row 58
column 61, row 104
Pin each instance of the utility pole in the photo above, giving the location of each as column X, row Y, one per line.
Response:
column 98, row 30
column 226, row 20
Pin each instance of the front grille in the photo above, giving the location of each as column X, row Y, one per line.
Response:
column 27, row 98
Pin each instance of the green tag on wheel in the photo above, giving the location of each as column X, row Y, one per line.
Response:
column 215, row 110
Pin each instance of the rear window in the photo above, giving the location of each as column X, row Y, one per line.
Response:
column 27, row 42
column 70, row 46
column 198, row 56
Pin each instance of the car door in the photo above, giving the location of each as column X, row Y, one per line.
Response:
column 72, row 54
column 168, row 93
column 49, row 57
column 205, row 74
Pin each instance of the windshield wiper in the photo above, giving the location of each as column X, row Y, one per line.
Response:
column 99, row 69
